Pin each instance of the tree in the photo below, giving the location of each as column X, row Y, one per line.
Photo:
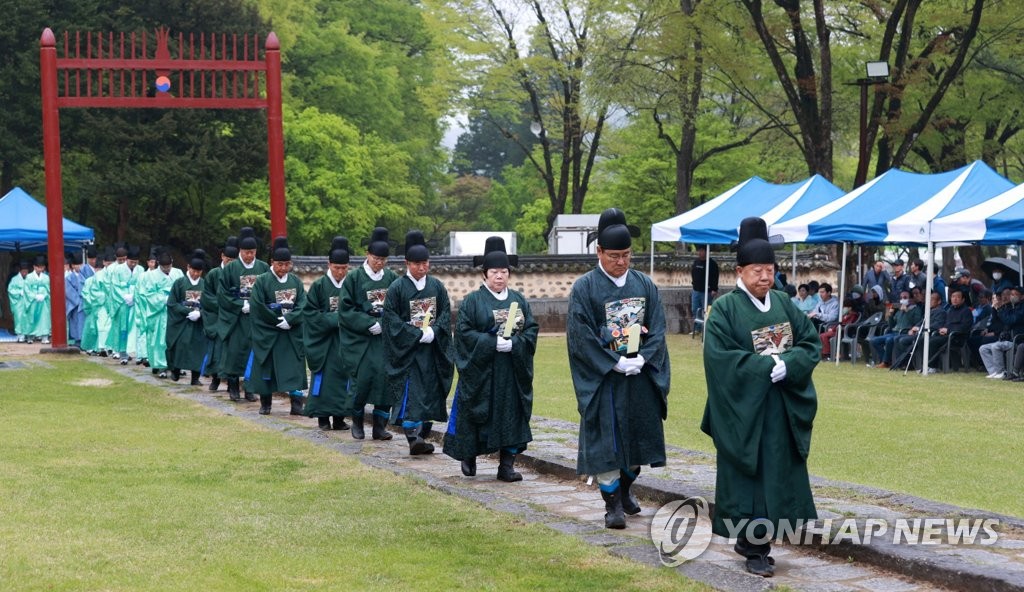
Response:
column 484, row 149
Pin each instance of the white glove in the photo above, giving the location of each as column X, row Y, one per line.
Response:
column 283, row 325
column 40, row 297
column 504, row 345
column 622, row 365
column 779, row 371
column 637, row 364
column 375, row 329
column 245, row 307
column 129, row 300
column 428, row 335
column 193, row 316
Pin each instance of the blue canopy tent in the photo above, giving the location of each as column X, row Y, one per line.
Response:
column 23, row 224
column 997, row 221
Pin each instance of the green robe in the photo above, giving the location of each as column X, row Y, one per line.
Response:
column 362, row 305
column 121, row 285
column 321, row 338
column 234, row 328
column 16, row 299
column 153, row 291
column 36, row 322
column 210, row 321
column 621, row 417
column 97, row 324
column 494, row 396
column 419, row 374
column 186, row 340
column 278, row 362
column 761, row 429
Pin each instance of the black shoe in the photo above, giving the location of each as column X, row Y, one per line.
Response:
column 175, row 374
column 417, row 445
column 613, row 517
column 124, row 361
column 761, row 565
column 629, row 503
column 469, row 467
column 265, row 403
column 296, row 401
column 340, row 423
column 215, row 384
column 140, row 361
column 195, row 379
column 162, row 374
column 233, row 390
column 425, row 429
column 357, row 427
column 505, row 471
column 324, row 423
column 145, row 362
column 380, row 431
column 251, row 397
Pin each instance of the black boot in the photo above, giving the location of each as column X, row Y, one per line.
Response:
column 249, row 396
column 265, row 402
column 758, row 561
column 340, row 423
column 629, row 503
column 195, row 379
column 357, row 427
column 425, row 429
column 380, row 431
column 296, row 404
column 214, row 384
column 175, row 373
column 417, row 445
column 324, row 423
column 613, row 517
column 233, row 389
column 505, row 471
column 469, row 467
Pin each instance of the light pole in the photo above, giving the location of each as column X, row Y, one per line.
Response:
column 877, row 73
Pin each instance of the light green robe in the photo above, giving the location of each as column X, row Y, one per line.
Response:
column 37, row 310
column 16, row 298
column 154, row 288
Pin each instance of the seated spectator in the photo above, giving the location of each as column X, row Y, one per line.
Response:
column 803, row 300
column 812, row 291
column 939, row 284
column 983, row 310
column 990, row 329
column 875, row 301
column 905, row 317
column 955, row 330
column 827, row 310
column 849, row 316
column 917, row 297
column 1010, row 315
column 971, row 287
column 856, row 299
column 904, row 345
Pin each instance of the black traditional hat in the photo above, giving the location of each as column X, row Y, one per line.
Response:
column 108, row 254
column 613, row 232
column 247, row 239
column 281, row 252
column 24, row 265
column 379, row 245
column 133, row 252
column 154, row 252
column 121, row 252
column 231, row 248
column 91, row 251
column 197, row 260
column 495, row 256
column 39, row 260
column 416, row 247
column 753, row 245
column 76, row 257
column 163, row 257
column 339, row 251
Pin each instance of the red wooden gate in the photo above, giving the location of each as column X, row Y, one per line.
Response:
column 215, row 71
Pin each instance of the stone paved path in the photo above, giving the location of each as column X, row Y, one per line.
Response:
column 551, row 494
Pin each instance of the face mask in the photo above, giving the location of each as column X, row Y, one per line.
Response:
column 904, row 302
column 855, row 295
column 1014, row 299
column 996, row 275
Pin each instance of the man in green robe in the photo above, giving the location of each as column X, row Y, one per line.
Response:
column 36, row 323
column 211, row 314
column 759, row 354
column 417, row 333
column 16, row 298
column 620, row 369
column 153, row 290
column 94, row 297
column 186, row 339
column 139, row 327
column 103, row 323
column 120, row 305
column 278, row 361
column 321, row 338
column 234, row 325
column 494, row 354
column 362, row 305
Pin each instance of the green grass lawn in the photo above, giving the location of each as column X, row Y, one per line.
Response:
column 955, row 438
column 123, row 487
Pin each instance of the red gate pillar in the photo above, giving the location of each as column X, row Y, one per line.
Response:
column 54, row 198
column 275, row 139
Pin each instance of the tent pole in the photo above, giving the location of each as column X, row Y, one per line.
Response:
column 707, row 294
column 652, row 255
column 860, row 264
column 794, row 280
column 929, row 283
column 842, row 291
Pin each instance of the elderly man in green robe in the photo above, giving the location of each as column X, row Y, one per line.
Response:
column 417, row 332
column 234, row 325
column 495, row 340
column 210, row 309
column 278, row 360
column 36, row 323
column 759, row 354
column 186, row 339
column 362, row 339
column 620, row 369
column 321, row 337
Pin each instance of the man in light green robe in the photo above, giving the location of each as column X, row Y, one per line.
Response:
column 154, row 289
column 36, row 323
column 94, row 296
column 16, row 299
column 120, row 305
column 759, row 354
